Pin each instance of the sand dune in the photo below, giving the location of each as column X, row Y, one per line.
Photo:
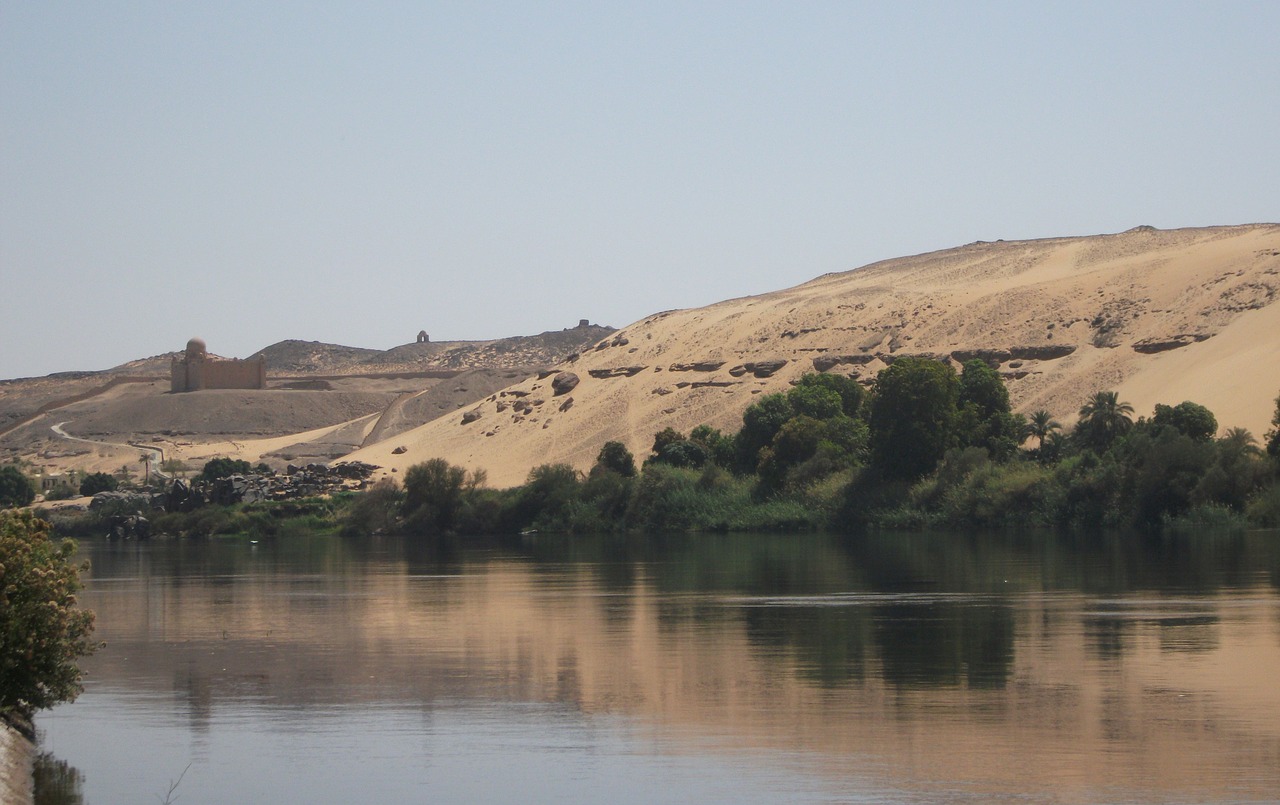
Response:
column 1161, row 316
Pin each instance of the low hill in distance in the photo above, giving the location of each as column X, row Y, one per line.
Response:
column 292, row 357
column 322, row 401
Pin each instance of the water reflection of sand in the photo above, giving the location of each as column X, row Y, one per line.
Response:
column 1170, row 695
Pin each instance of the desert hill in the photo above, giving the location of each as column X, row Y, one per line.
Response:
column 292, row 357
column 322, row 401
column 1160, row 316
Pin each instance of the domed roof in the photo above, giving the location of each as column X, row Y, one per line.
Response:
column 196, row 347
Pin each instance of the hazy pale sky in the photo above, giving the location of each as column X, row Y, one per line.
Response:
column 356, row 172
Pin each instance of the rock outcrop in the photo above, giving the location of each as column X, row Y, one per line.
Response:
column 563, row 383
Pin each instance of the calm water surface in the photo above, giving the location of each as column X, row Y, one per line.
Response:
column 742, row 668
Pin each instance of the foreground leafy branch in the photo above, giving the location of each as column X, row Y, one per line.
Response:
column 42, row 631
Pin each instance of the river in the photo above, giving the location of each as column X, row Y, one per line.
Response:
column 709, row 668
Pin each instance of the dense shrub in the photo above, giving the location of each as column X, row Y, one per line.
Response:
column 16, row 489
column 615, row 457
column 98, row 482
column 1264, row 509
column 375, row 511
column 435, row 494
column 223, row 468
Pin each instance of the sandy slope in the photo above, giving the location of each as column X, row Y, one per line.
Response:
column 1162, row 316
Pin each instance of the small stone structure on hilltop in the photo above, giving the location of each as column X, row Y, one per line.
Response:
column 196, row 371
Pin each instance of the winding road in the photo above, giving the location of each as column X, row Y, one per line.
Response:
column 157, row 452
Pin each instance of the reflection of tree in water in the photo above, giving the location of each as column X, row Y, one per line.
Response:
column 56, row 781
column 1106, row 636
column 829, row 643
column 945, row 644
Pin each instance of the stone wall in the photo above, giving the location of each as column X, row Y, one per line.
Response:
column 187, row 374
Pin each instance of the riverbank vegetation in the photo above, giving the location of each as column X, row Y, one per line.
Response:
column 924, row 447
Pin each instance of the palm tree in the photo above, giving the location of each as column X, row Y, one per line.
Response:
column 1052, row 448
column 145, row 458
column 1041, row 425
column 1103, row 419
column 1240, row 440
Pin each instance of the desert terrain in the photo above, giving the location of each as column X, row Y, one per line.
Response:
column 322, row 402
column 1158, row 315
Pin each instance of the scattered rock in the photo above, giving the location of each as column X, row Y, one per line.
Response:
column 128, row 526
column 1149, row 346
column 563, row 383
column 700, row 366
column 759, row 369
column 825, row 362
column 399, row 451
column 992, row 357
column 619, row 371
column 567, row 404
column 704, row 384
column 1044, row 352
column 470, row 416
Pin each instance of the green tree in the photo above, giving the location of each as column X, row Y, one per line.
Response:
column 1273, row 435
column 16, row 489
column 550, row 498
column 719, row 448
column 433, row 495
column 224, row 468
column 671, row 447
column 615, row 457
column 1040, row 424
column 1103, row 419
column 42, row 633
column 684, row 453
column 1189, row 419
column 760, row 423
column 794, row 444
column 985, row 419
column 374, row 510
column 912, row 420
column 98, row 482
column 665, row 437
column 852, row 395
column 816, row 402
column 1239, row 470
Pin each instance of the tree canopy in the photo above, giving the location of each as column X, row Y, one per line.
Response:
column 1103, row 419
column 224, row 467
column 42, row 632
column 913, row 417
column 1188, row 418
column 16, row 489
column 98, row 482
